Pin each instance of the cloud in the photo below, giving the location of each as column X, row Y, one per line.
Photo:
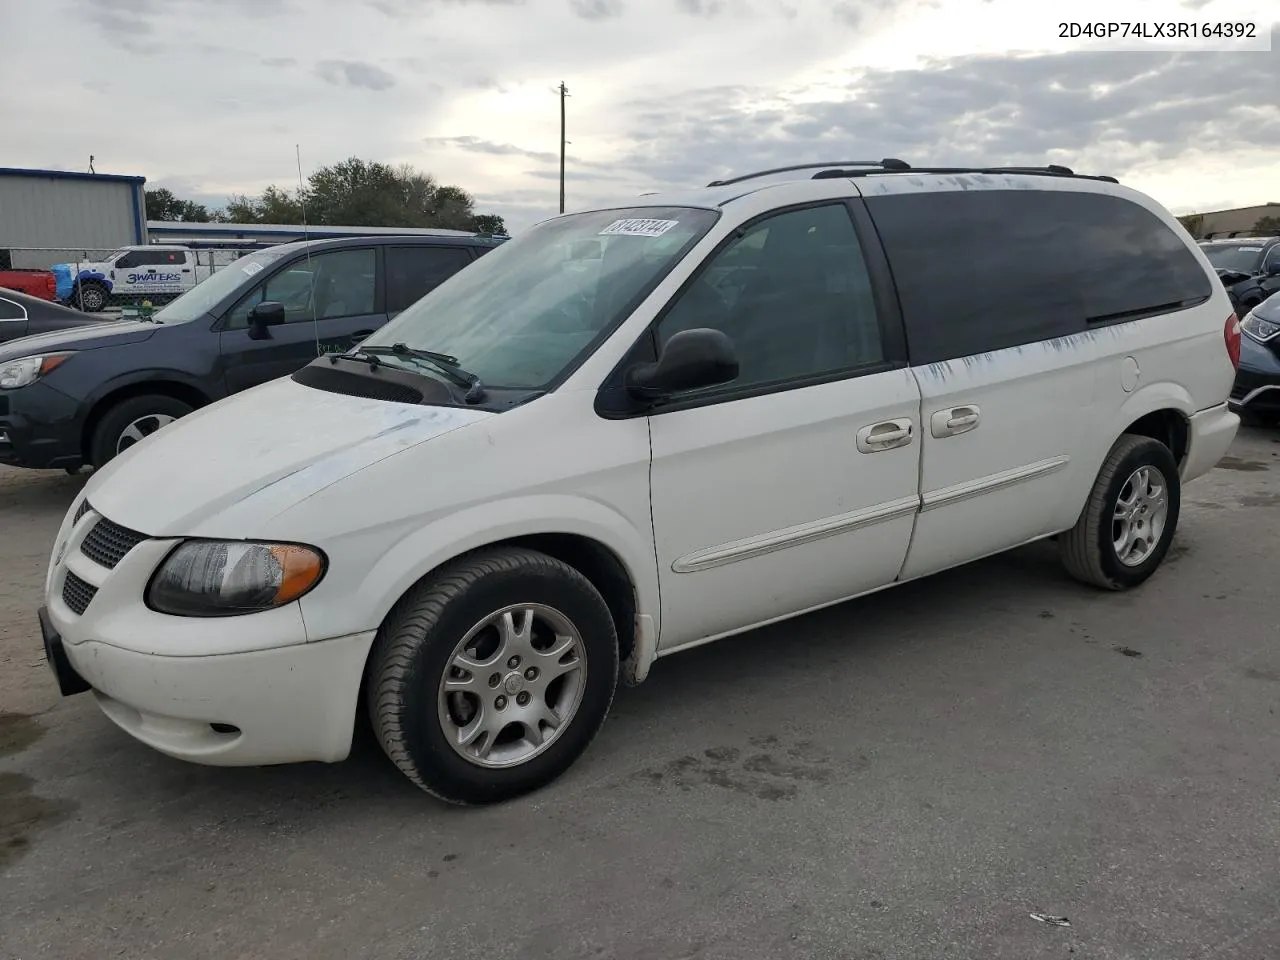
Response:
column 597, row 9
column 490, row 147
column 701, row 8
column 278, row 62
column 354, row 73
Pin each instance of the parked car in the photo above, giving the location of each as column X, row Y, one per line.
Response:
column 34, row 283
column 22, row 316
column 160, row 273
column 82, row 396
column 1248, row 267
column 1257, row 387
column 756, row 399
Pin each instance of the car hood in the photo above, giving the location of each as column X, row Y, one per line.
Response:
column 107, row 334
column 228, row 468
column 1269, row 309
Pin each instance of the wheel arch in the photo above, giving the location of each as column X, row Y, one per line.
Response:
column 1161, row 411
column 164, row 386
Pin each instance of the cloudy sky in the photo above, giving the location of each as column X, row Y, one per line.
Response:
column 209, row 97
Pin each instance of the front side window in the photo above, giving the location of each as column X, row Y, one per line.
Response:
column 327, row 286
column 207, row 295
column 525, row 312
column 793, row 294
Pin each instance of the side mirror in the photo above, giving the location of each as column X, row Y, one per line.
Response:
column 1273, row 269
column 268, row 313
column 690, row 360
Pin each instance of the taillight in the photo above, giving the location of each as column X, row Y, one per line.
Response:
column 1231, row 333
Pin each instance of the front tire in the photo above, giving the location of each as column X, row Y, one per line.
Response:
column 490, row 679
column 130, row 421
column 1130, row 518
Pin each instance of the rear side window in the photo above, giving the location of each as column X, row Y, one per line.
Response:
column 983, row 270
column 11, row 311
column 413, row 272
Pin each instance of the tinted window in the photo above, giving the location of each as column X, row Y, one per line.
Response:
column 413, row 272
column 11, row 311
column 326, row 287
column 983, row 270
column 792, row 293
column 150, row 258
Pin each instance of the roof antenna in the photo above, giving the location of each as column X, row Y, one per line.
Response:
column 306, row 239
column 91, row 170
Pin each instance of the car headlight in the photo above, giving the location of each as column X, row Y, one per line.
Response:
column 1259, row 329
column 222, row 578
column 19, row 373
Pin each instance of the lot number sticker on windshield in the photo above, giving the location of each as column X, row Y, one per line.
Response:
column 1249, row 249
column 252, row 268
column 638, row 228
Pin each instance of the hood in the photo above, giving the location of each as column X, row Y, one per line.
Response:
column 1269, row 309
column 228, row 468
column 106, row 334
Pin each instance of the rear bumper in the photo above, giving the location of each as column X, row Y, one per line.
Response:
column 1210, row 435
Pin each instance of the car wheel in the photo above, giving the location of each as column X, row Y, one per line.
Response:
column 490, row 679
column 130, row 421
column 1129, row 520
column 90, row 297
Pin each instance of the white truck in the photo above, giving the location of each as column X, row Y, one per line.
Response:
column 155, row 272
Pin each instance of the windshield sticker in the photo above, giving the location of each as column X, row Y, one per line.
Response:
column 638, row 228
column 252, row 268
column 1248, row 249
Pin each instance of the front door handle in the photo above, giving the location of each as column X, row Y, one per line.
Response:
column 955, row 421
column 887, row 435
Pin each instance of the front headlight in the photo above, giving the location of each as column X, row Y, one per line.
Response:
column 1259, row 329
column 19, row 373
column 216, row 578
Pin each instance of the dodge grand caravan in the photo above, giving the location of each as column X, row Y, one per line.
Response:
column 632, row 431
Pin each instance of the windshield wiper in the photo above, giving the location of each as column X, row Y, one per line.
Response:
column 442, row 362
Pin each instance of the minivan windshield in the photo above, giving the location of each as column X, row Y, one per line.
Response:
column 207, row 294
column 523, row 313
column 1242, row 257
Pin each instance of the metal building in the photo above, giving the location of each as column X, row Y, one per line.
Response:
column 51, row 216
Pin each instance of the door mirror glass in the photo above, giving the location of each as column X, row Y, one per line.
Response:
column 1273, row 268
column 690, row 360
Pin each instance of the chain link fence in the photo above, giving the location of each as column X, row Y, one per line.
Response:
column 120, row 281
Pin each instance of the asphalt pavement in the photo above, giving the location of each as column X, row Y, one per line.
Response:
column 912, row 775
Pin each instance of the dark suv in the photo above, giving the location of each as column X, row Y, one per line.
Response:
column 1249, row 268
column 81, row 396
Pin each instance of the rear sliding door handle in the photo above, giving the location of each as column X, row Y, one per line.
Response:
column 886, row 435
column 957, row 420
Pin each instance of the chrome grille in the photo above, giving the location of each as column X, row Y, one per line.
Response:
column 76, row 593
column 107, row 543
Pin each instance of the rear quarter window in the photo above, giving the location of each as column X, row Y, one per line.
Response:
column 984, row 270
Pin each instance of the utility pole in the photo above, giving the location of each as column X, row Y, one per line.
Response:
column 564, row 92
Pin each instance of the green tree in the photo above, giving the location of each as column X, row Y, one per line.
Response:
column 365, row 193
column 163, row 205
column 1267, row 225
column 1193, row 222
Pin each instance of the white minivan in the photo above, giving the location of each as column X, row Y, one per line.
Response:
column 632, row 431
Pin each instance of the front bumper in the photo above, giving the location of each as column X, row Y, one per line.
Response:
column 231, row 691
column 40, row 428
column 1257, row 383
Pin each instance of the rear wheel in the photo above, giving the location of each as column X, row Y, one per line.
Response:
column 489, row 680
column 130, row 421
column 1130, row 518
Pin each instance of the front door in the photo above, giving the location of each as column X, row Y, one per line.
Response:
column 331, row 303
column 796, row 485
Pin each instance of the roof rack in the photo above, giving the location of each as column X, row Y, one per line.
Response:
column 889, row 163
column 1052, row 170
column 863, row 168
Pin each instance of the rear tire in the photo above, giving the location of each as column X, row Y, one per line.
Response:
column 490, row 679
column 130, row 421
column 1130, row 518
